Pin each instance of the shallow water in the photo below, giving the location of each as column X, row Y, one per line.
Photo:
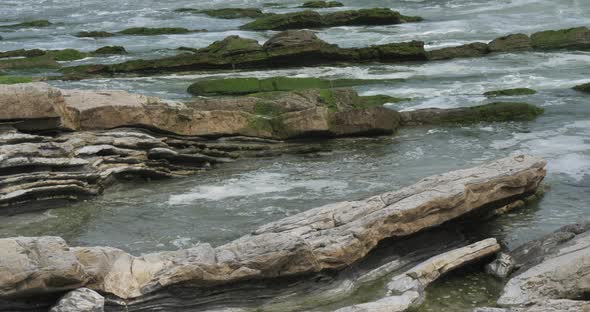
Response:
column 220, row 205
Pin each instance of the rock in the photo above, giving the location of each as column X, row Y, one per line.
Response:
column 145, row 31
column 500, row 111
column 407, row 289
column 94, row 34
column 31, row 24
column 241, row 86
column 553, row 267
column 285, row 49
column 110, row 50
column 67, row 55
column 80, row 300
column 466, row 50
column 510, row 92
column 44, row 61
column 22, row 53
column 14, row 80
column 311, row 19
column 331, row 237
column 573, row 39
column 227, row 13
column 511, row 43
column 32, row 101
column 583, row 88
column 321, row 4
column 547, row 306
column 502, row 266
column 38, row 265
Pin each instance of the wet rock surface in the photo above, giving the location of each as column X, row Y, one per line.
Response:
column 80, row 300
column 329, row 237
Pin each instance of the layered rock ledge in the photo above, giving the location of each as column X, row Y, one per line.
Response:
column 328, row 237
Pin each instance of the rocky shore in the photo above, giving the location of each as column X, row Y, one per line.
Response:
column 331, row 237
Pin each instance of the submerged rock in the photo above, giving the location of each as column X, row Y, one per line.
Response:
column 241, row 86
column 510, row 92
column 146, row 31
column 467, row 50
column 80, row 300
column 94, row 34
column 312, row 19
column 110, row 50
column 321, row 4
column 31, row 24
column 511, row 43
column 583, row 88
column 500, row 111
column 406, row 290
column 227, row 13
column 331, row 237
column 285, row 49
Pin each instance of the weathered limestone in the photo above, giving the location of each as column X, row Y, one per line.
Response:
column 553, row 267
column 80, row 300
column 329, row 237
column 407, row 289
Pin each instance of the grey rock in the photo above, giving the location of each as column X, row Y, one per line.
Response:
column 502, row 266
column 80, row 300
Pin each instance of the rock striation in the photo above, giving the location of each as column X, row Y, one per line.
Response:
column 406, row 290
column 80, row 300
column 328, row 237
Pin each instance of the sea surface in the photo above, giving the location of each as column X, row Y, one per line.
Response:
column 220, row 205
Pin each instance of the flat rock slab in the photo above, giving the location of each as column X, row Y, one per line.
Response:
column 329, row 237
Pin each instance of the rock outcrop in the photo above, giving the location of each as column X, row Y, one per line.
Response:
column 406, row 290
column 227, row 13
column 286, row 49
column 510, row 92
column 321, row 4
column 329, row 237
column 583, row 88
column 80, row 300
column 554, row 267
column 312, row 19
column 546, row 306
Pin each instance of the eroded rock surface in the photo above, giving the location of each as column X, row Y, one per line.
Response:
column 329, row 237
column 546, row 306
column 80, row 300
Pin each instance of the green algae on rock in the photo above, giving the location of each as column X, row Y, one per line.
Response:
column 227, row 13
column 583, row 88
column 110, row 50
column 14, row 80
column 66, row 55
column 321, row 4
column 511, row 43
column 467, row 50
column 572, row 38
column 312, row 19
column 43, row 61
column 94, row 34
column 285, row 49
column 239, row 86
column 22, row 53
column 30, row 24
column 510, row 92
column 146, row 31
column 493, row 112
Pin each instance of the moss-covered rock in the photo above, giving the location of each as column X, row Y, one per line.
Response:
column 110, row 50
column 494, row 112
column 227, row 13
column 44, row 61
column 94, row 34
column 145, row 31
column 510, row 92
column 583, row 88
column 14, row 80
column 511, row 43
column 467, row 50
column 286, row 49
column 573, row 38
column 67, row 55
column 22, row 53
column 312, row 19
column 321, row 4
column 239, row 86
column 30, row 24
